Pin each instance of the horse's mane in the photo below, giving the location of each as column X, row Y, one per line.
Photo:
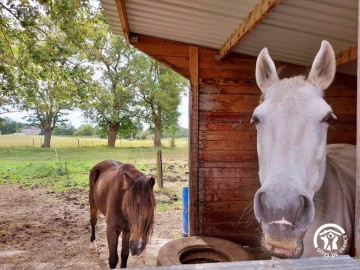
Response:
column 139, row 202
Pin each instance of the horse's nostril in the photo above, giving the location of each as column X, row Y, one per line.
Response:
column 259, row 205
column 262, row 199
column 305, row 214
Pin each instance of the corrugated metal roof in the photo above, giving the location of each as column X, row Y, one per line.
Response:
column 292, row 31
column 200, row 22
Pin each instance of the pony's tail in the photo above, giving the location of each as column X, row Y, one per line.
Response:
column 95, row 173
column 93, row 176
column 96, row 170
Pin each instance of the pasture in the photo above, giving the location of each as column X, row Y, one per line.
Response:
column 44, row 199
column 66, row 166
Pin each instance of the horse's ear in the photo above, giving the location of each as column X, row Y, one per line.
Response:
column 151, row 181
column 266, row 74
column 323, row 68
column 127, row 180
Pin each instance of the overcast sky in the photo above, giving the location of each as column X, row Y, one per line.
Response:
column 77, row 120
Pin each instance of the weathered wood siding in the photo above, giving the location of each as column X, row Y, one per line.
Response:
column 227, row 148
column 224, row 169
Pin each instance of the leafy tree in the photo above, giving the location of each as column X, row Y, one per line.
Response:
column 183, row 133
column 129, row 127
column 85, row 130
column 159, row 90
column 52, row 76
column 64, row 129
column 12, row 18
column 9, row 126
column 114, row 108
column 145, row 134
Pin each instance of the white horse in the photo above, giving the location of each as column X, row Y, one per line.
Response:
column 303, row 186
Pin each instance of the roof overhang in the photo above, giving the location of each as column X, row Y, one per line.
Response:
column 291, row 30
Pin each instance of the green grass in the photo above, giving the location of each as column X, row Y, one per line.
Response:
column 163, row 207
column 62, row 168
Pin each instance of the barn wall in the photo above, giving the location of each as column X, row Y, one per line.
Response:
column 223, row 171
column 227, row 147
column 341, row 95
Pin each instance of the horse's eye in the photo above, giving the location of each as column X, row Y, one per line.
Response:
column 329, row 117
column 254, row 120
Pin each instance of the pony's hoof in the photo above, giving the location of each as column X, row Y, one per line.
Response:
column 93, row 250
column 92, row 247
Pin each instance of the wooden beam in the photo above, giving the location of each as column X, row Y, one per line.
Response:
column 174, row 55
column 347, row 55
column 194, row 141
column 357, row 194
column 121, row 8
column 258, row 14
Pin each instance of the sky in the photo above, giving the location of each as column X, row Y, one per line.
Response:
column 77, row 119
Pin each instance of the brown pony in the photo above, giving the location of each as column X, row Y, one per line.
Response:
column 125, row 196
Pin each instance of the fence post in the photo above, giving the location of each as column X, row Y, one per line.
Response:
column 159, row 169
column 33, row 142
column 78, row 142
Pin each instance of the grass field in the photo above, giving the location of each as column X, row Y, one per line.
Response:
column 66, row 166
column 65, row 142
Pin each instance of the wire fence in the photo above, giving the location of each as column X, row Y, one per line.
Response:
column 36, row 141
column 136, row 152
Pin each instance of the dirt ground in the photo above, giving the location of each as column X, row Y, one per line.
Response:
column 47, row 230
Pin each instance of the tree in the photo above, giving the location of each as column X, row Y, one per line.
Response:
column 159, row 89
column 54, row 79
column 13, row 17
column 64, row 129
column 9, row 126
column 85, row 130
column 52, row 76
column 114, row 108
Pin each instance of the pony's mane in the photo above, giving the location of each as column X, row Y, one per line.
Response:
column 139, row 202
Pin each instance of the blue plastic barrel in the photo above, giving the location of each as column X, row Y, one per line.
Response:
column 185, row 211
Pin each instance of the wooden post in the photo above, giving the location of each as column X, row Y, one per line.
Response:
column 78, row 142
column 159, row 169
column 194, row 141
column 33, row 142
column 357, row 195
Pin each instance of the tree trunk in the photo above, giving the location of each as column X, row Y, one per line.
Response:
column 47, row 134
column 157, row 134
column 112, row 132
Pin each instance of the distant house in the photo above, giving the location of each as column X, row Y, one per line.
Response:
column 30, row 130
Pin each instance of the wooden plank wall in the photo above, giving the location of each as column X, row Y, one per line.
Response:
column 224, row 171
column 227, row 148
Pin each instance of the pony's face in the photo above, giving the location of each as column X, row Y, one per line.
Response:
column 139, row 207
column 291, row 124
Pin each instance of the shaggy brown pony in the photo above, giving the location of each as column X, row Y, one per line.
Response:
column 125, row 197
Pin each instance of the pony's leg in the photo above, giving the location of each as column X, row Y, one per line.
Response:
column 93, row 219
column 112, row 238
column 125, row 248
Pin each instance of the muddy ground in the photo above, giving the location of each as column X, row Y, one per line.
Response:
column 46, row 230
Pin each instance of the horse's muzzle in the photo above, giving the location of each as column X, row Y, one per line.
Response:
column 283, row 240
column 136, row 247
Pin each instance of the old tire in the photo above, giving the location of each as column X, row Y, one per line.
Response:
column 207, row 249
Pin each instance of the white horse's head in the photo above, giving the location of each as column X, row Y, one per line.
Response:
column 291, row 124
